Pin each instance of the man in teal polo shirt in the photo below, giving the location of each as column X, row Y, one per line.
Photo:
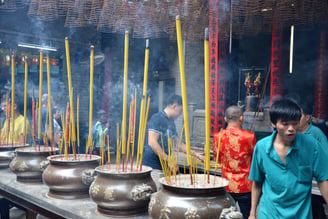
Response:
column 283, row 166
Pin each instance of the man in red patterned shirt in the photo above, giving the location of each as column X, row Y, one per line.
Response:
column 235, row 155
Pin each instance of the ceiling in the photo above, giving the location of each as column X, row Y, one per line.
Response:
column 156, row 18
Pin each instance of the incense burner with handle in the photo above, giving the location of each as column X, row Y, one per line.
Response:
column 205, row 198
column 122, row 193
column 65, row 176
column 7, row 153
column 27, row 164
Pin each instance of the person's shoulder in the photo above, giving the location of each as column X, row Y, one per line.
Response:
column 157, row 116
column 247, row 133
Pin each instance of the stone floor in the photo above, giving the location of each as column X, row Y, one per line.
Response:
column 16, row 213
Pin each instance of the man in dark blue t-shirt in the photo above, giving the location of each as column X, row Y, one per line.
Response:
column 159, row 127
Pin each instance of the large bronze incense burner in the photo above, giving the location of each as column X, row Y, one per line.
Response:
column 7, row 153
column 67, row 177
column 27, row 164
column 178, row 198
column 122, row 193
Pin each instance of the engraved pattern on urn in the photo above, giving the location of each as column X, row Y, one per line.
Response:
column 151, row 204
column 95, row 189
column 108, row 194
column 191, row 213
column 165, row 212
column 22, row 166
column 141, row 192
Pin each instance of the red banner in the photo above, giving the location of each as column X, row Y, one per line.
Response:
column 223, row 50
column 321, row 78
column 213, row 56
column 277, row 63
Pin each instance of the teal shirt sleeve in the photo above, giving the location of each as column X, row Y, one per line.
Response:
column 320, row 170
column 256, row 172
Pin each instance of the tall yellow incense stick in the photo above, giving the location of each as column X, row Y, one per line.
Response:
column 40, row 95
column 89, row 143
column 49, row 101
column 183, row 90
column 25, row 98
column 125, row 85
column 70, row 89
column 142, row 107
column 207, row 102
column 78, row 120
column 12, row 97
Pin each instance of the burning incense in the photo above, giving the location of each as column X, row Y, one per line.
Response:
column 183, row 91
column 25, row 99
column 78, row 122
column 89, row 143
column 125, row 85
column 40, row 96
column 118, row 145
column 207, row 103
column 108, row 151
column 49, row 103
column 217, row 145
column 67, row 130
column 70, row 89
column 291, row 49
column 12, row 98
column 134, row 111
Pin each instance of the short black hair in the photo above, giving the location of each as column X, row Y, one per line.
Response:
column 174, row 99
column 233, row 113
column 286, row 110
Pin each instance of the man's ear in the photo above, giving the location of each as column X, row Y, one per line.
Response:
column 273, row 125
column 307, row 117
column 15, row 106
column 225, row 119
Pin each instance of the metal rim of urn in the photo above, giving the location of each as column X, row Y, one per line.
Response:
column 64, row 178
column 27, row 163
column 195, row 201
column 7, row 153
column 122, row 193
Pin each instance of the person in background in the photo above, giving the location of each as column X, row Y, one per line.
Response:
column 235, row 156
column 100, row 129
column 17, row 133
column 57, row 127
column 307, row 128
column 159, row 126
column 283, row 166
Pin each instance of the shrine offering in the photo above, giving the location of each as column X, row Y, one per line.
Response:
column 69, row 178
column 28, row 163
column 122, row 193
column 197, row 200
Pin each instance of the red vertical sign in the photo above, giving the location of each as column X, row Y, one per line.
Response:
column 277, row 65
column 223, row 49
column 213, row 56
column 321, row 78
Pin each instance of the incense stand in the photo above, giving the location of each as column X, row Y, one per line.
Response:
column 7, row 153
column 27, row 164
column 199, row 200
column 69, row 178
column 121, row 193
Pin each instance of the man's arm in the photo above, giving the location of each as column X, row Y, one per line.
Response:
column 153, row 143
column 323, row 186
column 192, row 152
column 256, row 194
